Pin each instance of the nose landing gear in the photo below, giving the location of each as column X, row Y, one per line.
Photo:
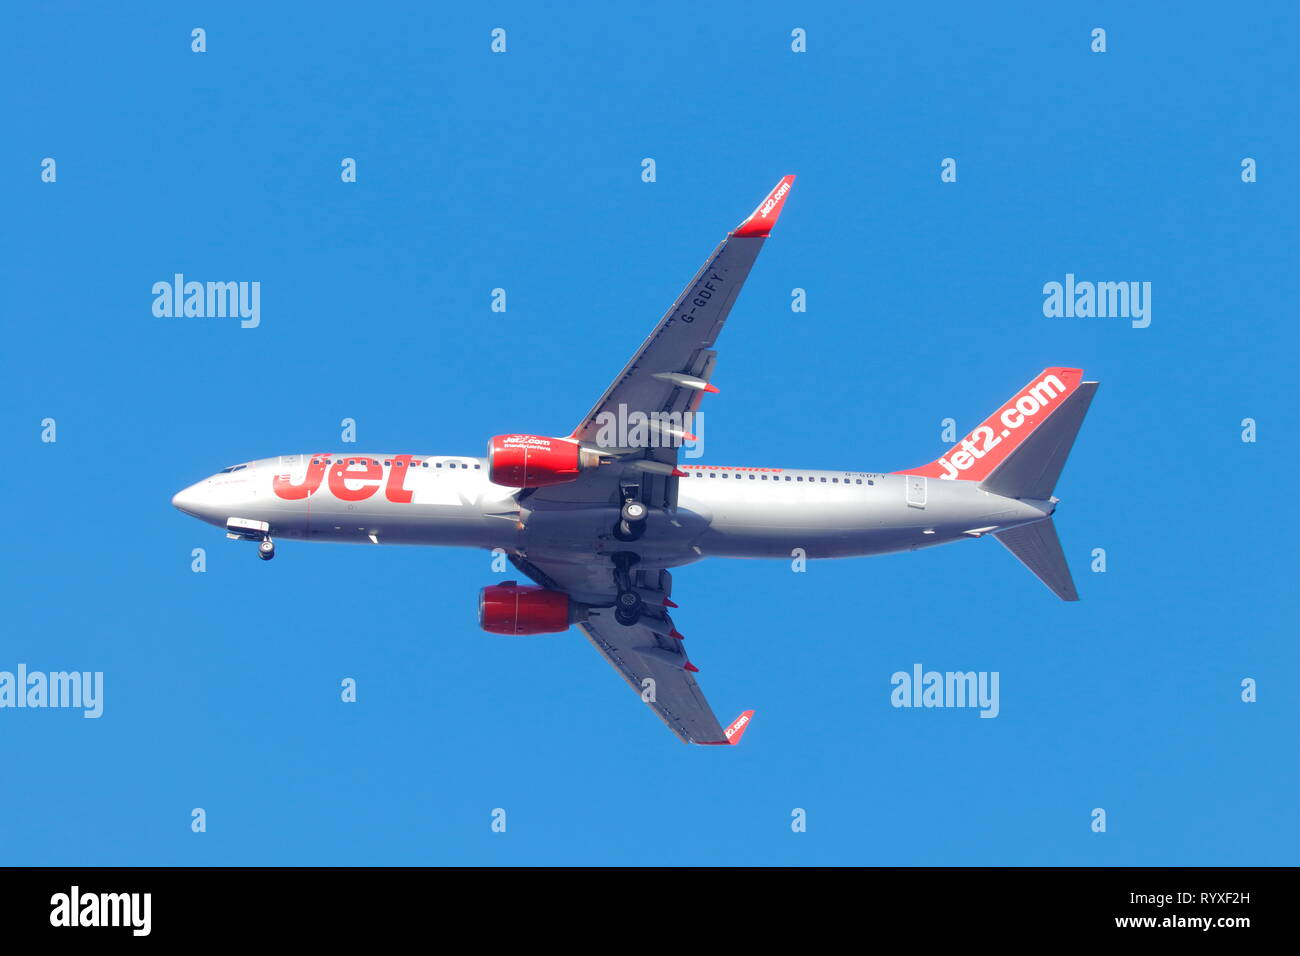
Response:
column 250, row 529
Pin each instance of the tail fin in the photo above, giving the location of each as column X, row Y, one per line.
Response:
column 1019, row 450
column 1038, row 548
column 1031, row 470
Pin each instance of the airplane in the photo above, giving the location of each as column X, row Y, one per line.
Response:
column 596, row 520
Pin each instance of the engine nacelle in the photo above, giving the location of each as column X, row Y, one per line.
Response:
column 511, row 608
column 530, row 461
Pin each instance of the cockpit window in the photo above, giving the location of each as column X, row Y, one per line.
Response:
column 226, row 471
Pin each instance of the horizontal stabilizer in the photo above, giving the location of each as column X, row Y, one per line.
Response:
column 1037, row 547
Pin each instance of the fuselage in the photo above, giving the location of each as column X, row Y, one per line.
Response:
column 738, row 512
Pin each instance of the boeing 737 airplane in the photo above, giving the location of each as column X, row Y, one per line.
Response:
column 597, row 519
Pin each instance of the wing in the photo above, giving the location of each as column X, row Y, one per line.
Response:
column 668, row 376
column 664, row 381
column 670, row 371
column 650, row 654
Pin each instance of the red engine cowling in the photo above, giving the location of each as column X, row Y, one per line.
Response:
column 530, row 461
column 510, row 608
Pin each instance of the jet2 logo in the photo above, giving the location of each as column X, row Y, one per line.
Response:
column 1031, row 406
column 770, row 203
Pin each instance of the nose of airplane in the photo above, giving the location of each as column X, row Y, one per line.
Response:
column 189, row 500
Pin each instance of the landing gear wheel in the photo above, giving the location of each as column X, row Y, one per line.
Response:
column 266, row 549
column 631, row 520
column 627, row 608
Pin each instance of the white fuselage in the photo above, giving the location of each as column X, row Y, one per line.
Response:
column 720, row 511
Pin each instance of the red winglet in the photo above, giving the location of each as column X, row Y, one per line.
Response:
column 691, row 667
column 668, row 603
column 759, row 224
column 734, row 732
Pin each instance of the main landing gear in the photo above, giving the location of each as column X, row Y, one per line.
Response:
column 632, row 516
column 266, row 548
column 628, row 605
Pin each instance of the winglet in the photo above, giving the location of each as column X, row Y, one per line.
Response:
column 734, row 732
column 759, row 224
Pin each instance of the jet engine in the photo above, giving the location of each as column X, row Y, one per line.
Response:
column 510, row 608
column 530, row 461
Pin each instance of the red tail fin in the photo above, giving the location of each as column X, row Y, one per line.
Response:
column 976, row 456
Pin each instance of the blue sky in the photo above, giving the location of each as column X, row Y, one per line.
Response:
column 522, row 170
